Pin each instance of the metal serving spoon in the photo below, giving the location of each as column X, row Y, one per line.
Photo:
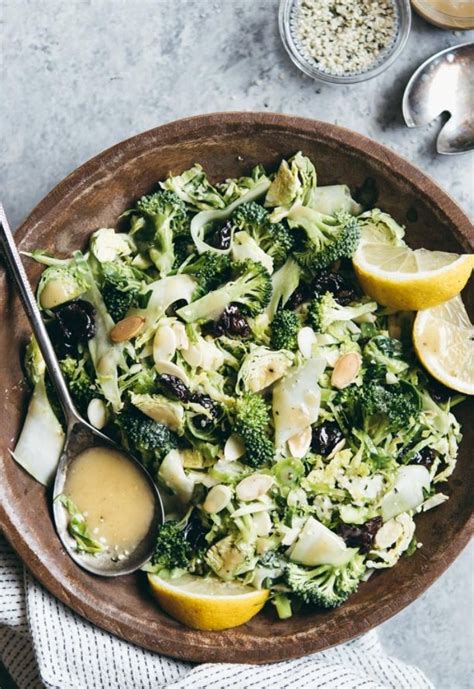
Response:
column 444, row 83
column 80, row 435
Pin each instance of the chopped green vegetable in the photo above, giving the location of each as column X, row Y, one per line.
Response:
column 326, row 585
column 78, row 529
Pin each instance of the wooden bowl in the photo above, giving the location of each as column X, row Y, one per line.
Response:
column 93, row 196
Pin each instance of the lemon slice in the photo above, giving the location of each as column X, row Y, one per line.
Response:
column 443, row 338
column 207, row 603
column 408, row 279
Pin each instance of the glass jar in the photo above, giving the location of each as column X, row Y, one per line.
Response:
column 448, row 14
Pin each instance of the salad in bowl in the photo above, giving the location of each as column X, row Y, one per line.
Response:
column 255, row 344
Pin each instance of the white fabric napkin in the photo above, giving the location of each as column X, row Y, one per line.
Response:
column 43, row 643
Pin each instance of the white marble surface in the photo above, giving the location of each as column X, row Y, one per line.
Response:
column 78, row 76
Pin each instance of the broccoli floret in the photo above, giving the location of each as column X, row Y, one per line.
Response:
column 325, row 585
column 117, row 302
column 251, row 422
column 273, row 238
column 81, row 386
column 120, row 288
column 156, row 220
column 250, row 216
column 259, row 449
column 386, row 352
column 324, row 311
column 376, row 408
column 252, row 412
column 183, row 248
column 323, row 239
column 210, row 270
column 285, row 327
column 164, row 203
column 172, row 549
column 142, row 436
column 251, row 287
column 398, row 402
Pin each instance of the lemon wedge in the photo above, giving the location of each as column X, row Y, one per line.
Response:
column 443, row 338
column 207, row 603
column 409, row 279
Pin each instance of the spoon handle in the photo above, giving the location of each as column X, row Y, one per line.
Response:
column 17, row 269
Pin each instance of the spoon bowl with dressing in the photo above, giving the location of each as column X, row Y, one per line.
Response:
column 106, row 507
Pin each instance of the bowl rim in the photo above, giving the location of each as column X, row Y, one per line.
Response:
column 192, row 645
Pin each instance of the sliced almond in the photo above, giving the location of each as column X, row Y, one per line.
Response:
column 97, row 413
column 217, row 499
column 388, row 534
column 163, row 366
column 164, row 344
column 300, row 443
column 306, row 338
column 126, row 328
column 234, row 448
column 254, row 486
column 337, row 448
column 212, row 357
column 346, row 370
column 182, row 340
column 192, row 355
column 263, row 523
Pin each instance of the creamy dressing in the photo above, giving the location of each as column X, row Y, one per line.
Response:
column 113, row 495
column 449, row 14
column 453, row 8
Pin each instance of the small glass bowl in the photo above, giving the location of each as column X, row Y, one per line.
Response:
column 286, row 23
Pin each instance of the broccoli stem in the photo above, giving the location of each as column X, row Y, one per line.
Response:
column 283, row 606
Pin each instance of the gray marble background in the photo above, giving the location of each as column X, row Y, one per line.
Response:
column 79, row 76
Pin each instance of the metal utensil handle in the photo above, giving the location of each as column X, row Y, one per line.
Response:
column 32, row 311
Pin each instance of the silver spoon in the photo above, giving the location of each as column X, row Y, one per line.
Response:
column 444, row 83
column 80, row 435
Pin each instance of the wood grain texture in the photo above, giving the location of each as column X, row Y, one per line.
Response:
column 93, row 196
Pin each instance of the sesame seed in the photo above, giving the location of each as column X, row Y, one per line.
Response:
column 345, row 36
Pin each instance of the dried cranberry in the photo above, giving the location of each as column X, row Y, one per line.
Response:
column 342, row 291
column 325, row 438
column 302, row 293
column 424, row 457
column 438, row 392
column 232, row 322
column 63, row 347
column 222, row 236
column 174, row 387
column 171, row 310
column 194, row 532
column 204, row 421
column 362, row 536
column 73, row 324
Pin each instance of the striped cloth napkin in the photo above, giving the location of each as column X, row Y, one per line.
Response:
column 44, row 644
